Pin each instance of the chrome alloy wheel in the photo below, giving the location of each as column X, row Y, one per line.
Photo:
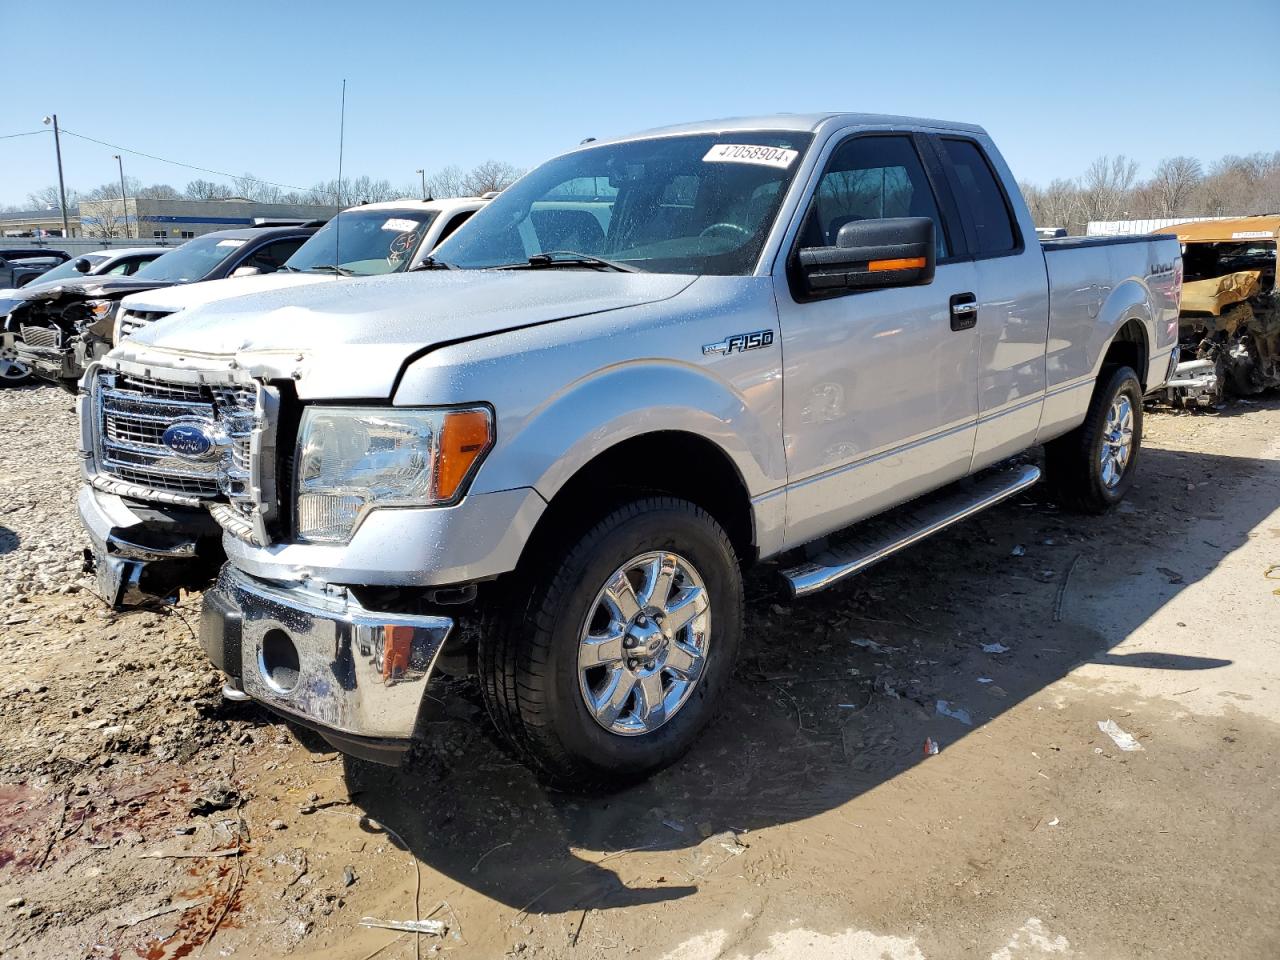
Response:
column 10, row 368
column 1117, row 441
column 643, row 647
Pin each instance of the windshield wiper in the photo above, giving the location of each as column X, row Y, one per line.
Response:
column 331, row 268
column 430, row 263
column 285, row 266
column 569, row 258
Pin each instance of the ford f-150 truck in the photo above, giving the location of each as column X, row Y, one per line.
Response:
column 650, row 362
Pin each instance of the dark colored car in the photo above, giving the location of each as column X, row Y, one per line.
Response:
column 20, row 265
column 61, row 328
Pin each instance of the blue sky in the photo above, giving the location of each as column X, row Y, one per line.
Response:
column 254, row 86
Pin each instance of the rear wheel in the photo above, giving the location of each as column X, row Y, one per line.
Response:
column 1092, row 467
column 608, row 665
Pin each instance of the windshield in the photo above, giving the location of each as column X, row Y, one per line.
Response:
column 365, row 242
column 698, row 204
column 194, row 260
column 68, row 271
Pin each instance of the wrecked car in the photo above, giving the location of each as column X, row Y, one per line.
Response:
column 125, row 261
column 1229, row 323
column 62, row 328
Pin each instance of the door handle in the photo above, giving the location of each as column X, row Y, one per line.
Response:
column 964, row 311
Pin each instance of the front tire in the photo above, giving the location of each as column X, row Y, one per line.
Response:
column 12, row 373
column 612, row 657
column 1093, row 466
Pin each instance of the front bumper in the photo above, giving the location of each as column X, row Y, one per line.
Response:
column 143, row 552
column 357, row 676
column 49, row 363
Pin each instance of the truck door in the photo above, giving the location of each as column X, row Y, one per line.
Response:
column 880, row 386
column 1013, row 302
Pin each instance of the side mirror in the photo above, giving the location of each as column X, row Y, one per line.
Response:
column 872, row 254
column 246, row 272
column 82, row 265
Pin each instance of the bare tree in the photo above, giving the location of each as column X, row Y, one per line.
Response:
column 207, row 190
column 488, row 176
column 159, row 191
column 446, row 183
column 1106, row 186
column 1173, row 183
column 48, row 198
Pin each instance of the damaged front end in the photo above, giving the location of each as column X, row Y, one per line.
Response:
column 59, row 332
column 1229, row 322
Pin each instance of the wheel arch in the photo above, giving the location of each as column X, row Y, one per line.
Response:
column 638, row 466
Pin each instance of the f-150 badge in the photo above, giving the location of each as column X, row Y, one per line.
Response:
column 740, row 341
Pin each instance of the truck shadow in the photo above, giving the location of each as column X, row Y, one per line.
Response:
column 832, row 696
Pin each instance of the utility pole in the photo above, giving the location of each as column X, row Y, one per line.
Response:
column 124, row 200
column 423, row 175
column 62, row 190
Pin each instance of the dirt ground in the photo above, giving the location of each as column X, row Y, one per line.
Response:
column 141, row 816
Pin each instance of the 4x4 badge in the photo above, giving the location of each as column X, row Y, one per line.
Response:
column 739, row 342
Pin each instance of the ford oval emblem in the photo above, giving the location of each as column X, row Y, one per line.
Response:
column 191, row 440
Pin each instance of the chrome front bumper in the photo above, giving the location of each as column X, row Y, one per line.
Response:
column 357, row 676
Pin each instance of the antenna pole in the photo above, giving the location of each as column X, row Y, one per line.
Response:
column 342, row 131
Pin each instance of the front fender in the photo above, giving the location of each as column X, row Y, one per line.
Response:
column 561, row 436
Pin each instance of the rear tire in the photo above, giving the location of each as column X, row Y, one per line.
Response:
column 597, row 693
column 1093, row 466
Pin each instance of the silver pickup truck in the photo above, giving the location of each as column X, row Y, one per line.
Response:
column 651, row 362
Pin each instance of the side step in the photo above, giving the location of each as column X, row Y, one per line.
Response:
column 878, row 537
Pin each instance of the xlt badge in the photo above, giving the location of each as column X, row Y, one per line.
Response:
column 739, row 342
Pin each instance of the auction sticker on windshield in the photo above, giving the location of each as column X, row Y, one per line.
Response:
column 779, row 157
column 400, row 226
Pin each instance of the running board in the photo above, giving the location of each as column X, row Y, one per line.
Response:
column 874, row 539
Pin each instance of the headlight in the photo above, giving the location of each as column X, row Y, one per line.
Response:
column 353, row 459
column 100, row 310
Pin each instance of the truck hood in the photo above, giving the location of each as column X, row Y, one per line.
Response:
column 187, row 295
column 350, row 339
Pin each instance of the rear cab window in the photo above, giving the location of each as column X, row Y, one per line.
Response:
column 982, row 199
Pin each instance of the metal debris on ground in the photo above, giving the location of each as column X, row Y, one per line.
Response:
column 433, row 928
column 1122, row 740
column 930, row 747
column 994, row 648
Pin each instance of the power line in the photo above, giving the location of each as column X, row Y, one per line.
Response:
column 178, row 163
column 29, row 133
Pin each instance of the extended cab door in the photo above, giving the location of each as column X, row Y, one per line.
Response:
column 1013, row 298
column 879, row 386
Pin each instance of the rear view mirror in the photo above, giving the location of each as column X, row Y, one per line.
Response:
column 871, row 254
column 245, row 272
column 83, row 265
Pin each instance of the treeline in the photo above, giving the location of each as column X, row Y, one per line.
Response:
column 1111, row 189
column 451, row 181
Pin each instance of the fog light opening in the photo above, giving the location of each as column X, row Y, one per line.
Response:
column 278, row 661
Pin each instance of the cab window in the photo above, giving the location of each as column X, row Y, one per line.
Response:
column 871, row 178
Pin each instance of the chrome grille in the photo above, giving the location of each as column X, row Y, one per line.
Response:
column 133, row 414
column 131, row 321
column 40, row 336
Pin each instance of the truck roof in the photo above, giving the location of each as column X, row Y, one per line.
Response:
column 1211, row 231
column 799, row 122
column 445, row 205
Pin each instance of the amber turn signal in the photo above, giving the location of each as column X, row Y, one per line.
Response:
column 465, row 437
column 904, row 263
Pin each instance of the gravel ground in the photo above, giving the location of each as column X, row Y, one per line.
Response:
column 40, row 536
column 140, row 815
